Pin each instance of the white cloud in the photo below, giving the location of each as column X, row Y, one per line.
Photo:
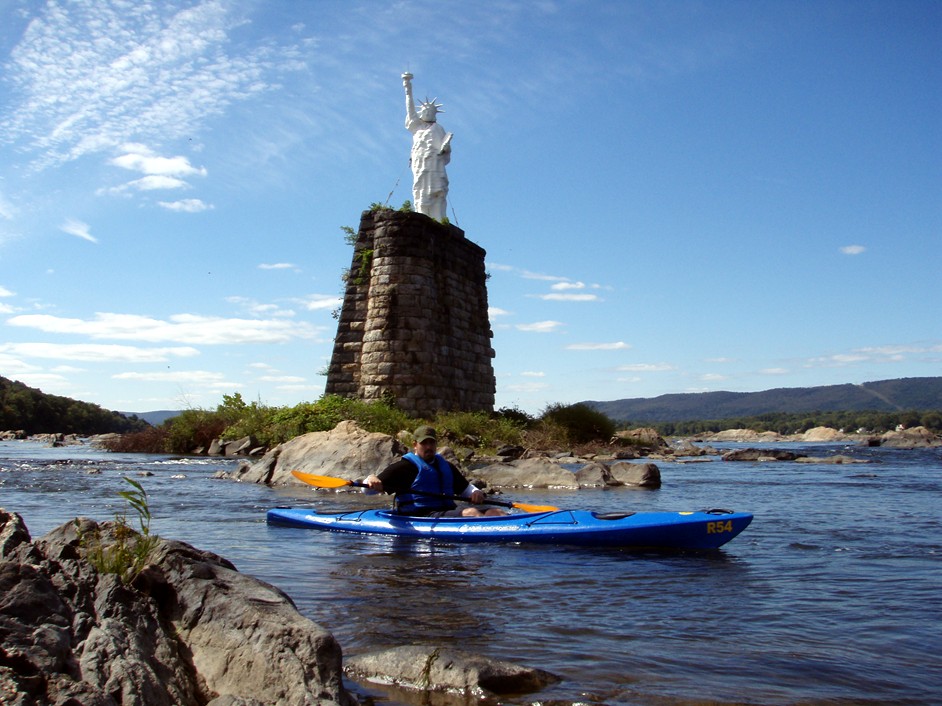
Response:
column 319, row 302
column 156, row 182
column 494, row 311
column 181, row 328
column 4, row 292
column 713, row 377
column 278, row 266
column 78, row 229
column 555, row 297
column 613, row 346
column 540, row 326
column 192, row 377
column 533, row 374
column 645, row 368
column 141, row 159
column 97, row 353
column 186, row 205
column 560, row 286
column 281, row 378
column 853, row 249
column 526, row 274
column 774, row 371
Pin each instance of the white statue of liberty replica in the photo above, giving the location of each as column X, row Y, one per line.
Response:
column 431, row 151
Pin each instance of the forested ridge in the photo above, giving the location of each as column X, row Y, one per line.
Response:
column 884, row 396
column 32, row 411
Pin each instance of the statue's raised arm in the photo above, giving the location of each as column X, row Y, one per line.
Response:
column 431, row 151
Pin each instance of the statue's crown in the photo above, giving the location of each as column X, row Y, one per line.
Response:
column 436, row 107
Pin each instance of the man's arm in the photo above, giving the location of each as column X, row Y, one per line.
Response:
column 395, row 478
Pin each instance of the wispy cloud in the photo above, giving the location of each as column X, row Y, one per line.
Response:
column 96, row 352
column 278, row 266
column 182, row 328
column 319, row 302
column 540, row 326
column 853, row 249
column 186, row 205
column 78, row 229
column 201, row 378
column 612, row 346
column 7, row 209
column 89, row 76
column 878, row 354
column 645, row 368
column 570, row 297
column 282, row 378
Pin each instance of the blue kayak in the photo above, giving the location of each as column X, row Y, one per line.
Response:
column 707, row 529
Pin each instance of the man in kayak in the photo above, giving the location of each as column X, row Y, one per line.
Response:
column 424, row 482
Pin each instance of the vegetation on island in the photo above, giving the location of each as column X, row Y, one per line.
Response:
column 560, row 426
column 574, row 427
column 32, row 411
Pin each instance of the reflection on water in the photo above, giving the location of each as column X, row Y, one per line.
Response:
column 831, row 595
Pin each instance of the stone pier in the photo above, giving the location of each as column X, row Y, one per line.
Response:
column 414, row 328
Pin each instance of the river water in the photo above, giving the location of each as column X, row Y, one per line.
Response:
column 832, row 596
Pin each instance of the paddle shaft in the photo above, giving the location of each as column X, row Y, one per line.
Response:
column 332, row 482
column 486, row 501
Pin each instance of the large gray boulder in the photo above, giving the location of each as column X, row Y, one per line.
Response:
column 538, row 472
column 189, row 629
column 346, row 451
column 638, row 475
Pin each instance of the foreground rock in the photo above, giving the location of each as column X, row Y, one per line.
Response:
column 189, row 629
column 432, row 670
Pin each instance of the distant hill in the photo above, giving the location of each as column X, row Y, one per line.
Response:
column 155, row 418
column 883, row 396
column 31, row 410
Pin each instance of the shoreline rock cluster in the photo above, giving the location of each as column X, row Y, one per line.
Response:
column 349, row 452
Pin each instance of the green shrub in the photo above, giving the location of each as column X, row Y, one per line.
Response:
column 193, row 428
column 581, row 423
column 489, row 431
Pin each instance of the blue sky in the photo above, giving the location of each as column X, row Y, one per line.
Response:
column 673, row 196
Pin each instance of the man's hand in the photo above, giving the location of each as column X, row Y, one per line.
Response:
column 477, row 497
column 373, row 483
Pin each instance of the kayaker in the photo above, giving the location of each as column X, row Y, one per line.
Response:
column 425, row 471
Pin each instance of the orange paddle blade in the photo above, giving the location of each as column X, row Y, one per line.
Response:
column 321, row 481
column 534, row 508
